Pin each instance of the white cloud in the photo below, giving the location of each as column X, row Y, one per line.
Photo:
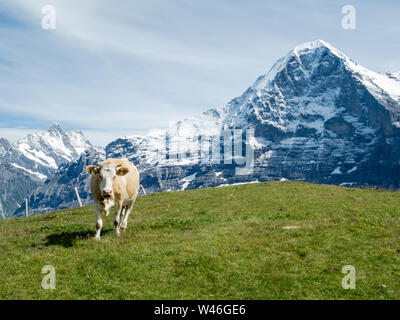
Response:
column 14, row 134
column 117, row 68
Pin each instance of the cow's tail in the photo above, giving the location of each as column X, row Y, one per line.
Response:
column 144, row 191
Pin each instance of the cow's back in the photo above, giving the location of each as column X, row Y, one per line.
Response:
column 132, row 180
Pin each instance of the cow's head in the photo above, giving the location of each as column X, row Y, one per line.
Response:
column 107, row 172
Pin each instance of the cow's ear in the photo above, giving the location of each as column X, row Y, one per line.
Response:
column 121, row 171
column 92, row 169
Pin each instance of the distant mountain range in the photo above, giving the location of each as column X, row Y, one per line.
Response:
column 317, row 116
column 28, row 163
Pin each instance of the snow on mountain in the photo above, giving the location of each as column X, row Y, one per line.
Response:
column 313, row 110
column 393, row 75
column 39, row 175
column 180, row 138
column 33, row 159
column 51, row 148
column 306, row 62
column 300, row 92
column 59, row 190
column 4, row 148
column 316, row 115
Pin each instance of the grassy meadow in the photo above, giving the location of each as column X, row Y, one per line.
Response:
column 276, row 240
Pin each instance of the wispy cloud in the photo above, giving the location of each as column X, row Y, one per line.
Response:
column 14, row 134
column 128, row 66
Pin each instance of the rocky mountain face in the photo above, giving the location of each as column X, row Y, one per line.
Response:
column 315, row 116
column 28, row 163
column 58, row 191
column 44, row 152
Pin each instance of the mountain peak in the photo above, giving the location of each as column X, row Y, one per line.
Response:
column 315, row 49
column 314, row 46
column 56, row 128
column 51, row 148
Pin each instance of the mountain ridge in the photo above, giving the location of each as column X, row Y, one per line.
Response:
column 28, row 162
column 317, row 116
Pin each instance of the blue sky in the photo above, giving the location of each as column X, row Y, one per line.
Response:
column 124, row 67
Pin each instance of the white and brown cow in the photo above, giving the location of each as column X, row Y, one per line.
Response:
column 115, row 182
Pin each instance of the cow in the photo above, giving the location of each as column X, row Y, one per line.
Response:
column 114, row 183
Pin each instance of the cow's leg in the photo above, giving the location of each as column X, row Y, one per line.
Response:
column 107, row 207
column 124, row 222
column 117, row 217
column 98, row 209
column 123, row 211
column 123, row 216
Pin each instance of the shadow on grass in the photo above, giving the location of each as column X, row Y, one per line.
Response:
column 68, row 239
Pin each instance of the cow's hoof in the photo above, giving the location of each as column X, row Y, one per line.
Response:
column 97, row 238
column 117, row 233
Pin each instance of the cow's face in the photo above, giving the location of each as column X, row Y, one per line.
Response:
column 107, row 173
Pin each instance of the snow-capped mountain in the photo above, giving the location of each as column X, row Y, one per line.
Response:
column 27, row 163
column 316, row 115
column 42, row 153
column 397, row 75
column 4, row 148
column 58, row 192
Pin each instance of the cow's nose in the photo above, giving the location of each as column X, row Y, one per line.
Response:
column 107, row 193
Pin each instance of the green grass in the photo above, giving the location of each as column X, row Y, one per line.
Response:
column 220, row 243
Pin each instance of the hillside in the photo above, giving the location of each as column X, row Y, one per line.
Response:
column 220, row 243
